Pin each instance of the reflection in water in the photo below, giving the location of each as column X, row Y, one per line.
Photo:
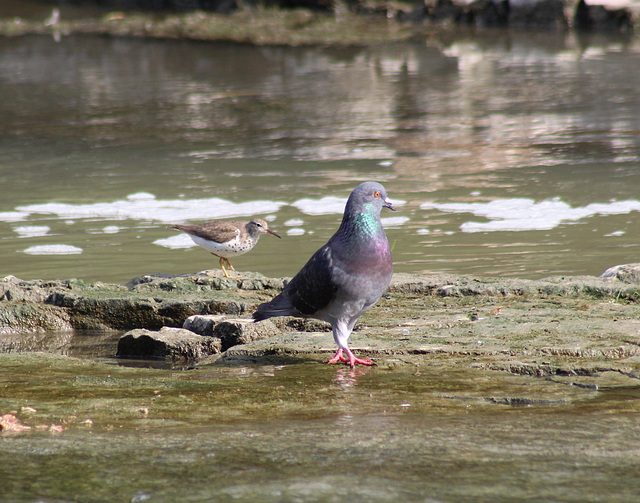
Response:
column 491, row 117
column 346, row 381
column 347, row 378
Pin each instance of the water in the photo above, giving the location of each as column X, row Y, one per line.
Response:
column 311, row 432
column 508, row 154
column 105, row 141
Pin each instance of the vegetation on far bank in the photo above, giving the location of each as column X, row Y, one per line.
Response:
column 344, row 24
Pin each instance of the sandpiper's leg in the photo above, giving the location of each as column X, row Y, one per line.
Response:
column 222, row 259
column 229, row 264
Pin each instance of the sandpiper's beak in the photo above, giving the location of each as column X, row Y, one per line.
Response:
column 271, row 232
column 388, row 204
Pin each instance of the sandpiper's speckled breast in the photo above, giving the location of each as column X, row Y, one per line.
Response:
column 231, row 248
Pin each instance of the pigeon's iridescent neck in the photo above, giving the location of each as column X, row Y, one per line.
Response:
column 363, row 224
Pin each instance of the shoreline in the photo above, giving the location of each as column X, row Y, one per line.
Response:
column 584, row 329
column 299, row 27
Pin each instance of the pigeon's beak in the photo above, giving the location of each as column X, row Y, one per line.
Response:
column 388, row 204
column 271, row 232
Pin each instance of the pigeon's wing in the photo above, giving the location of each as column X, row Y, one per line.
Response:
column 313, row 287
column 308, row 292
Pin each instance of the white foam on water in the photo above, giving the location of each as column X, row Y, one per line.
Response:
column 141, row 196
column 13, row 216
column 423, row 232
column 521, row 214
column 295, row 231
column 394, row 221
column 53, row 250
column 328, row 205
column 294, row 222
column 32, row 231
column 176, row 242
column 145, row 206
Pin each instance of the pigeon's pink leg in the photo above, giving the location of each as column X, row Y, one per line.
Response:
column 338, row 357
column 352, row 360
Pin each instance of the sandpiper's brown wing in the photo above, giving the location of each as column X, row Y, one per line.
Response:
column 218, row 231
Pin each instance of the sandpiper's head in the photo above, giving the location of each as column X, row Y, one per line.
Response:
column 256, row 227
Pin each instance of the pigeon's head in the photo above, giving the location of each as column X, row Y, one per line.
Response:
column 371, row 193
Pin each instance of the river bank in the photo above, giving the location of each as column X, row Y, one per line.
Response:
column 361, row 24
column 581, row 329
column 527, row 388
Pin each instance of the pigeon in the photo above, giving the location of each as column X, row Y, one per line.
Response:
column 345, row 277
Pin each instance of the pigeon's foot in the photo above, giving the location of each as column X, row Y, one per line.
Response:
column 350, row 359
column 338, row 357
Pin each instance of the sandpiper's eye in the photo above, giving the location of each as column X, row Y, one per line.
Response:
column 376, row 193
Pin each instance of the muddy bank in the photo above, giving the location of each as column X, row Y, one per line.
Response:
column 336, row 23
column 581, row 329
column 540, row 377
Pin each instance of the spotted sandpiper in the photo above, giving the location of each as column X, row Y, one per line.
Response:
column 226, row 238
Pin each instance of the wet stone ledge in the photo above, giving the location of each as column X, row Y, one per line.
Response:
column 582, row 329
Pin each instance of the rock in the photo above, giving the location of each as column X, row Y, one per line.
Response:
column 24, row 317
column 114, row 310
column 221, row 6
column 488, row 13
column 599, row 18
column 204, row 281
column 9, row 422
column 202, row 324
column 298, row 345
column 15, row 289
column 231, row 331
column 445, row 11
column 168, row 343
column 242, row 331
column 545, row 14
column 627, row 273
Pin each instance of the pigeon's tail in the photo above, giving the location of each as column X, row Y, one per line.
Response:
column 261, row 315
column 279, row 306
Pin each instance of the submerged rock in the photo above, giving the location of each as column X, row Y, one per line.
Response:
column 627, row 273
column 543, row 14
column 168, row 343
column 24, row 317
column 597, row 18
column 230, row 331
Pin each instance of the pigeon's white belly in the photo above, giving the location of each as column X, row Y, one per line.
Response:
column 231, row 248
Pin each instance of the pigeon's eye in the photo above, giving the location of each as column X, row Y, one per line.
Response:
column 376, row 193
